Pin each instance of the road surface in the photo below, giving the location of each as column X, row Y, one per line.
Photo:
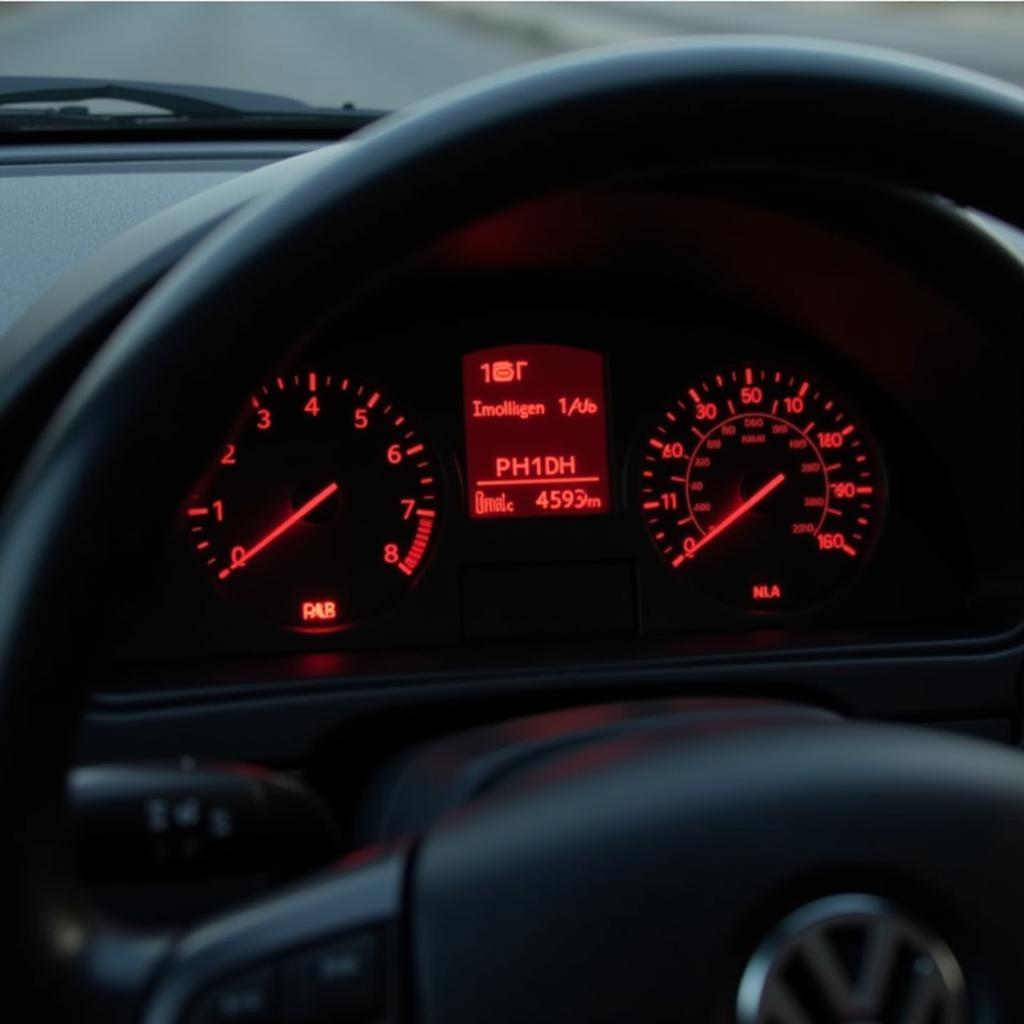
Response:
column 375, row 55
column 984, row 37
column 388, row 55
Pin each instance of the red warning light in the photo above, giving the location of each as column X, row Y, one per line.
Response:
column 319, row 611
column 536, row 434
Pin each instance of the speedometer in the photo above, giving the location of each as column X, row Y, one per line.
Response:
column 323, row 508
column 762, row 487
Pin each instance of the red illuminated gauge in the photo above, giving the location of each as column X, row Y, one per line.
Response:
column 323, row 508
column 761, row 487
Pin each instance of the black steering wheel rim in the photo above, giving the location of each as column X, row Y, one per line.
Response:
column 136, row 424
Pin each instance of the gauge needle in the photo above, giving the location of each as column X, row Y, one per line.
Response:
column 738, row 513
column 282, row 527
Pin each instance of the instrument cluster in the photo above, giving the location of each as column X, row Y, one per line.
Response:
column 528, row 474
column 759, row 486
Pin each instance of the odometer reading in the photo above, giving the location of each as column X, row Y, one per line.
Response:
column 323, row 507
column 762, row 487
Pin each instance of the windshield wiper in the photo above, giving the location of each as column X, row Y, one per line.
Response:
column 47, row 103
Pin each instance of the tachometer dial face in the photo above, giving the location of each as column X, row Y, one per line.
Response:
column 324, row 506
column 761, row 487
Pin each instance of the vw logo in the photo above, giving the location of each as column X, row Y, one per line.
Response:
column 851, row 960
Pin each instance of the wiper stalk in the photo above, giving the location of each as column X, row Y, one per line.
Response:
column 151, row 96
column 203, row 108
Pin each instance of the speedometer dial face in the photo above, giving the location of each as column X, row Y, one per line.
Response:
column 323, row 508
column 761, row 487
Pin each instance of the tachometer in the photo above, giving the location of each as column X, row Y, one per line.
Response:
column 762, row 487
column 323, row 508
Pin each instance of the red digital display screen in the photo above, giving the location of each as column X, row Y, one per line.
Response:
column 536, row 433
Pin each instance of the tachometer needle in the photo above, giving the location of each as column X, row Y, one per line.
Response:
column 738, row 513
column 283, row 527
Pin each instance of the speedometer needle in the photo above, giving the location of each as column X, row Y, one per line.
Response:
column 737, row 513
column 283, row 527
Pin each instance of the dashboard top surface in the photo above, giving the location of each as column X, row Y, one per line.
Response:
column 62, row 204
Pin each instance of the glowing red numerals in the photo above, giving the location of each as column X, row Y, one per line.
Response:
column 536, row 435
column 319, row 611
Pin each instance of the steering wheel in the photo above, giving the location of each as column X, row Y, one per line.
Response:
column 698, row 882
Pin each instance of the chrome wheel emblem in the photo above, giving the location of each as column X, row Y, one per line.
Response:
column 851, row 960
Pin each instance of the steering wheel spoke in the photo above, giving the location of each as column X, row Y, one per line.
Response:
column 323, row 951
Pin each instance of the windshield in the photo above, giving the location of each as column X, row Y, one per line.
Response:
column 388, row 55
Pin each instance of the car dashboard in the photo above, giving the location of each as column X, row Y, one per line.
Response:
column 720, row 436
column 541, row 430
